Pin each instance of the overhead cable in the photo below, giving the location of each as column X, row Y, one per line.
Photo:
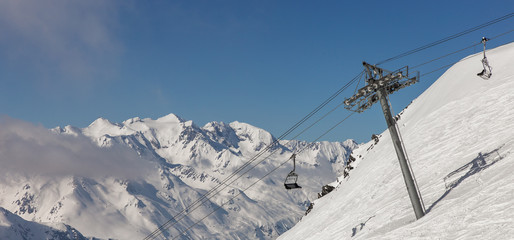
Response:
column 267, row 174
column 460, row 50
column 214, row 191
column 453, row 63
column 447, row 38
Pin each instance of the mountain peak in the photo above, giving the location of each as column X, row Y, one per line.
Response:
column 132, row 120
column 68, row 129
column 170, row 118
column 102, row 126
column 254, row 137
column 214, row 124
column 101, row 122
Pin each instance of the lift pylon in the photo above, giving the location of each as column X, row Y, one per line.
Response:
column 380, row 83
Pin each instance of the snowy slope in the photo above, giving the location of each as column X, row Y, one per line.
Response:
column 15, row 227
column 106, row 192
column 459, row 137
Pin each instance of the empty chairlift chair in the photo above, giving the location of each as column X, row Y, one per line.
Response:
column 292, row 177
column 487, row 72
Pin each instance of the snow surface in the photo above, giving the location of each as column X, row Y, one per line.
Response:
column 459, row 137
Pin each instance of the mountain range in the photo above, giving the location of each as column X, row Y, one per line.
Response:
column 124, row 180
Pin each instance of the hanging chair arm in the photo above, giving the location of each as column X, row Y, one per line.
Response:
column 294, row 161
column 484, row 39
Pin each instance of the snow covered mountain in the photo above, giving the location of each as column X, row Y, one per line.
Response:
column 13, row 226
column 124, row 180
column 459, row 136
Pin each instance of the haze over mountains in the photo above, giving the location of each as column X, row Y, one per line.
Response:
column 123, row 180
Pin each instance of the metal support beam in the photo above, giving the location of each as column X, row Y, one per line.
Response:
column 380, row 83
column 408, row 177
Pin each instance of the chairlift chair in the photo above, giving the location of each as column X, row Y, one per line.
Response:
column 292, row 177
column 487, row 72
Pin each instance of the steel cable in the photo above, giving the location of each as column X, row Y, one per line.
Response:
column 267, row 174
column 453, row 63
column 206, row 196
column 447, row 38
column 214, row 191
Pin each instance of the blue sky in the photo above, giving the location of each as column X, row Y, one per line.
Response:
column 267, row 63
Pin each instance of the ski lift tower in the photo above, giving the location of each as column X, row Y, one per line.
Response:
column 380, row 83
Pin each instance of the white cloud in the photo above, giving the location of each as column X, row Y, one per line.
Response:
column 60, row 41
column 28, row 149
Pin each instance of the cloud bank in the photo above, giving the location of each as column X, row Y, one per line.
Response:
column 34, row 150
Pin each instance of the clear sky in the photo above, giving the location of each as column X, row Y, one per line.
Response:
column 267, row 63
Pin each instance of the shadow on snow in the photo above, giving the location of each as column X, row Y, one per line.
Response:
column 477, row 165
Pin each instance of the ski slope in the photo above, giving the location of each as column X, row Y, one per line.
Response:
column 459, row 135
